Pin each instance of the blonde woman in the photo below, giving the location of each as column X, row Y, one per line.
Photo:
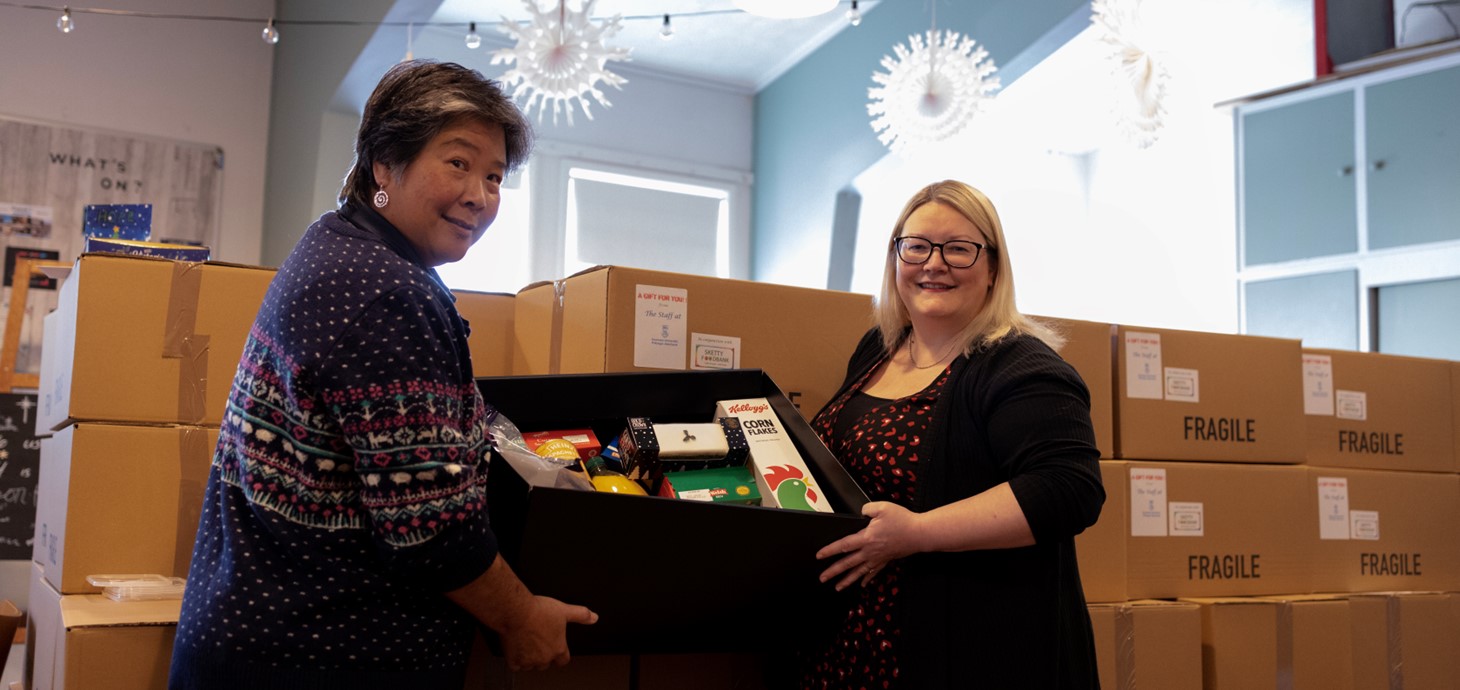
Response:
column 973, row 440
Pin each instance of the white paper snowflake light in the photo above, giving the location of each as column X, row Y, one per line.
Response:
column 1139, row 73
column 930, row 90
column 560, row 57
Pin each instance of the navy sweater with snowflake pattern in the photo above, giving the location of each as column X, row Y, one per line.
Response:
column 347, row 492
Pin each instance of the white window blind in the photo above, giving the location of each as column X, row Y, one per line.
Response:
column 645, row 223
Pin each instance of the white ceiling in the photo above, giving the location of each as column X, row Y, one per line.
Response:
column 712, row 40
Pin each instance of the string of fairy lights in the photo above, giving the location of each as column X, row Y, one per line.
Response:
column 66, row 22
column 931, row 89
column 560, row 56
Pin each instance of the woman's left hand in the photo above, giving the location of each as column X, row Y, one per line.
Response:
column 893, row 533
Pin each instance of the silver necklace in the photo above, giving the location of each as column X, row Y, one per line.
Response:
column 911, row 335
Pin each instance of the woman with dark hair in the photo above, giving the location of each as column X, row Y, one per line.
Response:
column 344, row 539
column 973, row 440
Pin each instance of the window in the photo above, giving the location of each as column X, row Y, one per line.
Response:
column 631, row 220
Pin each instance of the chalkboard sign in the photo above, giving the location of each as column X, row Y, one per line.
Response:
column 20, row 454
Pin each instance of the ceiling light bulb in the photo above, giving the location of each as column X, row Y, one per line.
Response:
column 854, row 16
column 473, row 39
column 270, row 35
column 666, row 32
column 786, row 9
column 65, row 24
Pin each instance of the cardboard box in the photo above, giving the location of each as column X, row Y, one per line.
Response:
column 613, row 319
column 1404, row 640
column 619, row 554
column 1454, row 412
column 86, row 641
column 1148, row 644
column 1089, row 348
column 1101, row 547
column 1289, row 641
column 146, row 340
column 1310, row 628
column 1383, row 531
column 490, row 316
column 116, row 499
column 1217, row 530
column 1184, row 395
column 1375, row 411
column 1239, row 643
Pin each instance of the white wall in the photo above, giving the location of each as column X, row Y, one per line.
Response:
column 656, row 123
column 205, row 82
column 1098, row 229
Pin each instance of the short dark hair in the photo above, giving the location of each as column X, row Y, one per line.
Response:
column 413, row 102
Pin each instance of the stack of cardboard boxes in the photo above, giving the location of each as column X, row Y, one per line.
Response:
column 138, row 358
column 1290, row 495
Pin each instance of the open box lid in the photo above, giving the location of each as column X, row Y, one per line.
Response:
column 668, row 575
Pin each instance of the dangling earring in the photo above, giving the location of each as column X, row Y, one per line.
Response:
column 381, row 199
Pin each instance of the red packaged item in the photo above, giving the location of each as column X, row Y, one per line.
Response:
column 564, row 444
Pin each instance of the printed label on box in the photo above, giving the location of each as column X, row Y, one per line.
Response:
column 1352, row 405
column 1183, row 385
column 1186, row 519
column 1143, row 365
column 714, row 351
column 1364, row 524
column 1147, row 502
column 1333, row 508
column 1318, row 385
column 660, row 324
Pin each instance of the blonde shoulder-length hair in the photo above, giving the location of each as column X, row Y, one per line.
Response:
column 999, row 317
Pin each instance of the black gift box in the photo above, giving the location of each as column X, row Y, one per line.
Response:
column 668, row 575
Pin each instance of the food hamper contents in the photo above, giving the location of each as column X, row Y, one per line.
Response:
column 605, row 479
column 743, row 456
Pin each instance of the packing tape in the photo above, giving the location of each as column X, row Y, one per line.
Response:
column 1394, row 639
column 1125, row 647
column 195, row 459
column 182, row 306
column 1285, row 645
column 181, row 341
column 555, row 337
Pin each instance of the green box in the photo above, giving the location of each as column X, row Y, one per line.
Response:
column 717, row 485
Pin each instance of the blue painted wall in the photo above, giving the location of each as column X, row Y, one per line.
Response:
column 813, row 134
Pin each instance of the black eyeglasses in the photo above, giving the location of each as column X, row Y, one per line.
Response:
column 956, row 253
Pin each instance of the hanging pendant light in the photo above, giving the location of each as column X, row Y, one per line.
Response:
column 560, row 57
column 931, row 89
column 1139, row 71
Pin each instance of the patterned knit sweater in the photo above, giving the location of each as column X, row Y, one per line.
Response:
column 347, row 490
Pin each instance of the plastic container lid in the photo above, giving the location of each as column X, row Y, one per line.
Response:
column 138, row 587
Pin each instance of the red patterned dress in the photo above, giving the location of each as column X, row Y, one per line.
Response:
column 877, row 440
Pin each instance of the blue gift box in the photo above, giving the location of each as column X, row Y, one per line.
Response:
column 162, row 250
column 117, row 221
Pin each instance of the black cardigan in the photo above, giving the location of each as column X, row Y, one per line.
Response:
column 1007, row 618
